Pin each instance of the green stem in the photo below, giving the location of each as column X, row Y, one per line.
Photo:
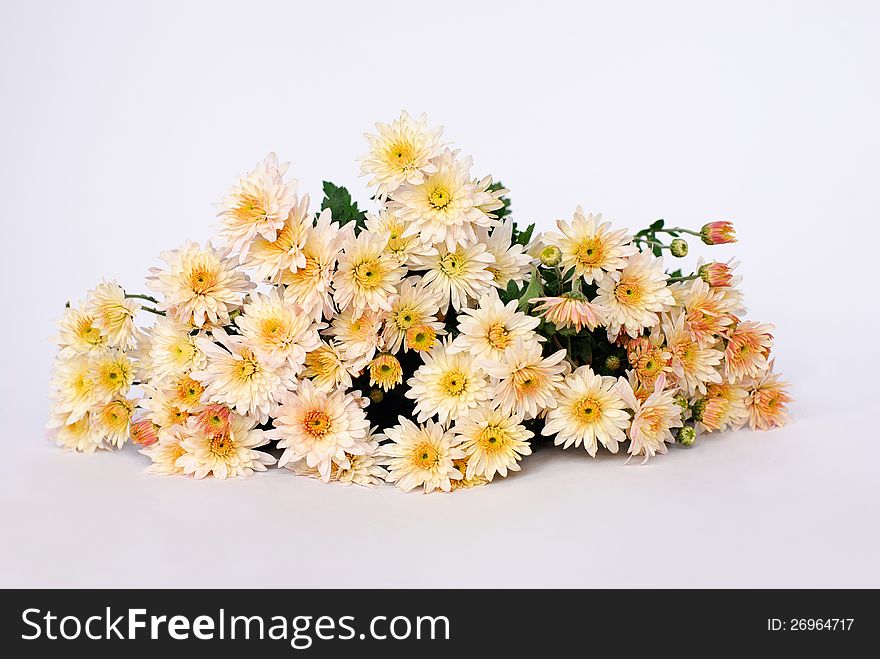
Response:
column 680, row 230
column 651, row 242
column 141, row 296
column 152, row 310
column 672, row 280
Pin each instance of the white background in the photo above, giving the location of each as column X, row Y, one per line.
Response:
column 120, row 124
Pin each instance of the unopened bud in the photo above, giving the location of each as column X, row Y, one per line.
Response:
column 612, row 362
column 681, row 401
column 698, row 409
column 717, row 275
column 678, row 247
column 376, row 395
column 718, row 233
column 551, row 256
column 686, row 435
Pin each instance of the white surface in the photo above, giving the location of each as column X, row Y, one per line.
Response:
column 121, row 123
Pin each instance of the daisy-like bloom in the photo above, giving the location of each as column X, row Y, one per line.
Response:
column 200, row 285
column 767, row 400
column 165, row 453
column 401, row 247
column 493, row 327
column 693, row 367
column 270, row 258
column 493, row 441
column 571, row 309
column 653, row 419
column 422, row 337
column 320, row 428
column 718, row 233
column 113, row 313
column 73, row 388
column 401, row 153
column 162, row 408
column 214, row 419
column 590, row 411
column 457, row 276
column 422, row 456
column 511, row 262
column 329, row 368
column 447, row 384
column 144, row 432
column 257, row 205
column 748, row 350
column 466, row 483
column 724, row 406
column 309, row 286
column 707, row 313
column 74, row 435
column 385, row 372
column 111, row 421
column 356, row 334
column 277, row 330
column 588, row 246
column 240, row 378
column 173, row 350
column 79, row 334
column 412, row 305
column 635, row 295
column 229, row 455
column 186, row 393
column 112, row 374
column 363, row 470
column 649, row 357
column 527, row 382
column 447, row 205
column 366, row 274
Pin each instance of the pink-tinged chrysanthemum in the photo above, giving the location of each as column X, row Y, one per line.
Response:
column 214, row 419
column 199, row 286
column 635, row 295
column 269, row 259
column 257, row 205
column 724, row 406
column 114, row 314
column 422, row 456
column 144, row 432
column 229, row 455
column 767, row 400
column 385, row 372
column 164, row 453
column 356, row 334
column 693, row 367
column 706, row 312
column 716, row 274
column 718, row 233
column 649, row 357
column 653, row 419
column 366, row 274
column 590, row 247
column 571, row 310
column 111, row 421
column 748, row 350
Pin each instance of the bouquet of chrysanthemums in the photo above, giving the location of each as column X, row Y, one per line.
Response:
column 429, row 344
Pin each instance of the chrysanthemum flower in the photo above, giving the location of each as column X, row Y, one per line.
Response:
column 635, row 295
column 401, row 153
column 162, row 408
column 466, row 483
column 200, row 285
column 447, row 205
column 173, row 350
column 649, row 357
column 320, row 428
column 277, row 329
column 716, row 274
column 214, row 419
column 401, row 247
column 363, row 470
column 748, row 350
column 366, row 274
column 493, row 327
column 79, row 334
column 144, row 432
column 73, row 388
column 527, row 383
column 589, row 411
column 357, row 334
column 385, row 372
column 693, row 367
column 707, row 314
column 447, row 384
column 412, row 305
column 240, row 378
column 257, row 205
column 570, row 310
column 75, row 435
column 113, row 314
column 165, row 453
column 511, row 262
column 493, row 441
column 329, row 368
column 111, row 421
column 186, row 393
column 229, row 455
column 718, row 233
column 588, row 246
column 309, row 286
column 457, row 276
column 112, row 374
column 422, row 337
column 270, row 258
column 653, row 419
column 724, row 406
column 767, row 400
column 422, row 456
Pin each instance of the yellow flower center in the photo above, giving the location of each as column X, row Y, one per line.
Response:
column 368, row 274
column 202, row 280
column 246, row 367
column 401, row 155
column 189, row 391
column 284, row 239
column 425, row 456
column 249, row 209
column 86, row 331
column 452, row 264
column 322, row 361
column 454, row 383
column 439, row 198
column 498, row 336
column 405, row 317
column 628, row 293
column 587, row 410
column 184, row 352
column 590, row 252
column 492, row 439
column 316, row 423
column 222, row 447
column 177, row 415
column 527, row 380
column 385, row 371
column 272, row 329
column 421, row 337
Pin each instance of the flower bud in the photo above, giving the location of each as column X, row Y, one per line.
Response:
column 718, row 233
column 678, row 247
column 681, row 401
column 698, row 409
column 717, row 275
column 551, row 256
column 612, row 362
column 686, row 435
column 376, row 395
column 144, row 432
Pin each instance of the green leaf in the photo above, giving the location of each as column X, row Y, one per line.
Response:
column 533, row 290
column 657, row 250
column 341, row 206
column 676, row 273
column 511, row 293
column 656, row 226
column 524, row 237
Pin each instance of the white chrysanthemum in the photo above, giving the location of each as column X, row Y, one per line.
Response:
column 228, row 455
column 79, row 334
column 447, row 205
column 403, row 248
column 257, row 205
column 413, row 305
column 75, row 435
column 320, row 428
column 162, row 406
column 270, row 258
column 200, row 285
column 329, row 368
column 635, row 295
column 421, row 456
column 277, row 330
column 309, row 286
column 73, row 388
column 653, row 419
column 114, row 314
column 493, row 441
column 356, row 334
column 707, row 312
column 240, row 378
column 447, row 385
column 511, row 261
column 111, row 421
column 693, row 366
column 112, row 374
column 401, row 153
column 588, row 246
column 589, row 411
column 164, row 453
column 457, row 276
column 173, row 350
column 364, row 469
column 366, row 274
column 527, row 383
column 493, row 327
